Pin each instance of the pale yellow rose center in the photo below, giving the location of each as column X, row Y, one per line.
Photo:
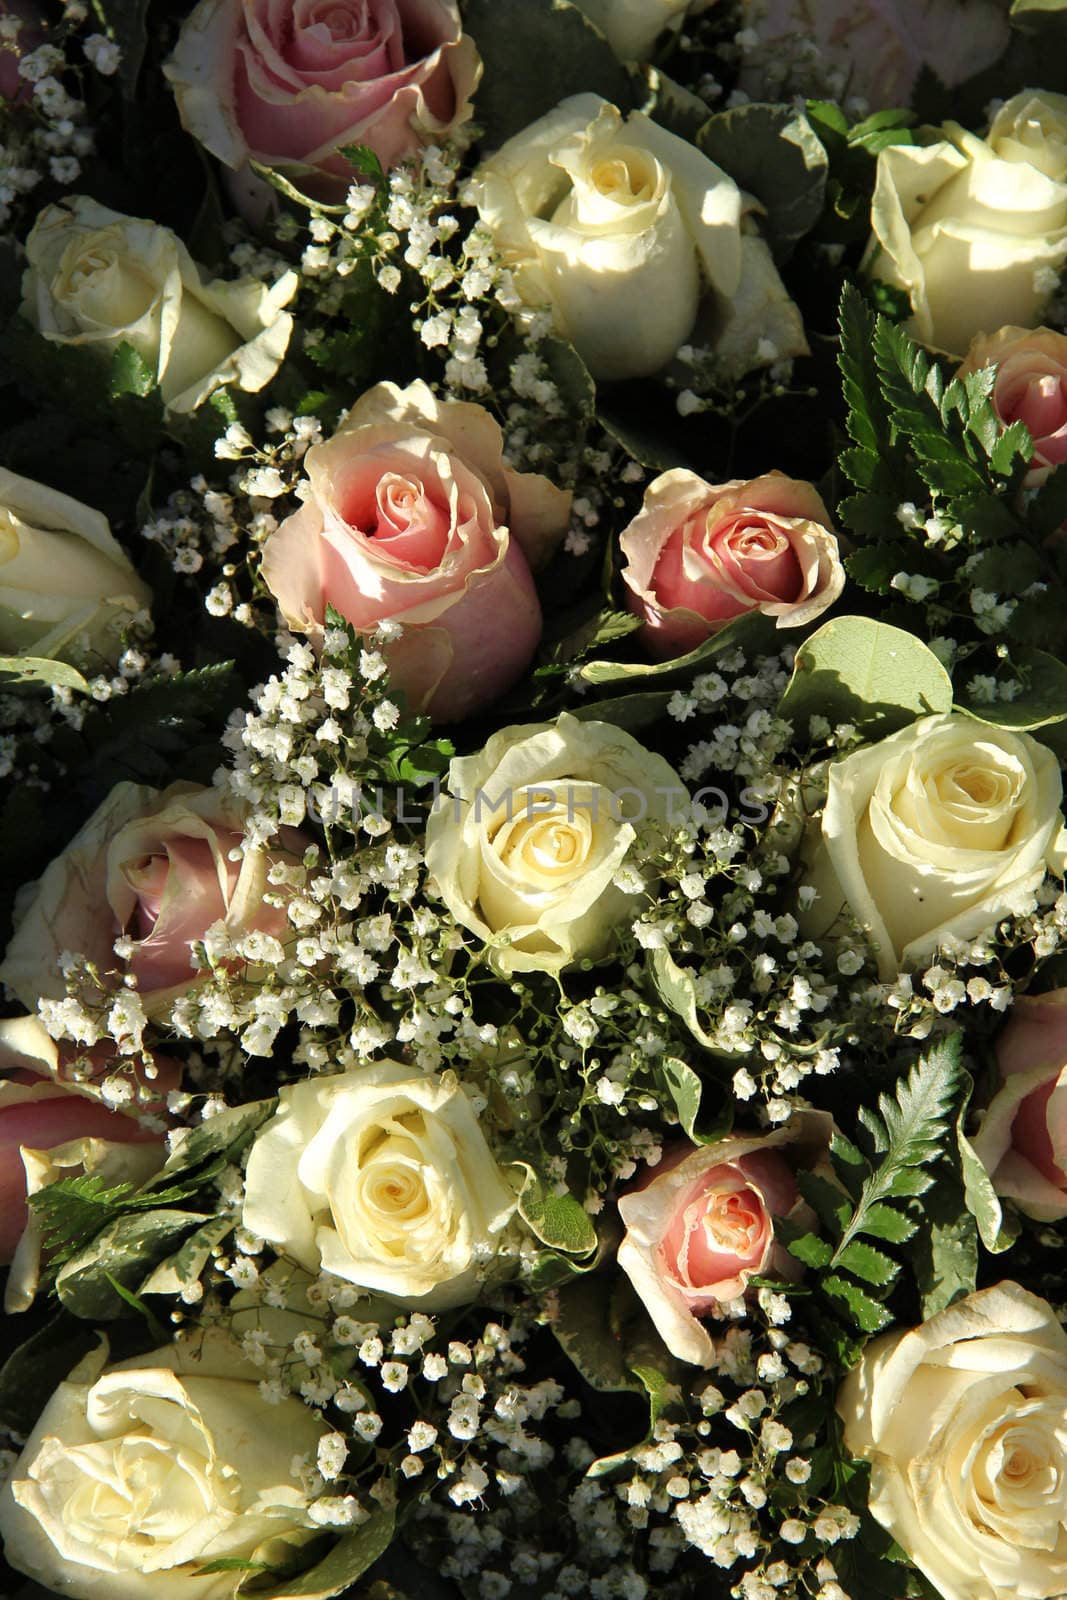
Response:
column 102, row 286
column 137, row 1493
column 549, row 842
column 627, row 175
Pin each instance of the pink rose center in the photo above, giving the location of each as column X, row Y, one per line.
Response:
column 179, row 895
column 406, row 521
column 758, row 557
column 1041, row 405
column 1030, row 1134
column 722, row 1227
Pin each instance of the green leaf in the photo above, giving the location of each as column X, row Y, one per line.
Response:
column 830, row 1204
column 995, row 1231
column 771, row 151
column 909, row 1134
column 557, row 1219
column 876, row 565
column 572, row 57
column 864, row 1261
column 125, row 1251
column 186, row 1264
column 856, row 670
column 867, row 419
column 366, row 162
column 130, row 373
column 72, row 1211
column 223, row 1137
column 1047, row 509
column 686, row 1090
column 581, row 1321
column 38, row 1366
column 347, row 1561
column 1041, row 704
column 630, row 711
column 867, row 1313
column 809, row 1248
column 40, row 669
column 1014, row 448
column 913, row 389
column 677, row 989
column 945, row 1250
column 752, row 633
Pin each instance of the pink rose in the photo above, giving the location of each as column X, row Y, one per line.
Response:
column 412, row 517
column 699, row 554
column 1022, row 1141
column 160, row 869
column 874, row 49
column 27, row 33
column 1030, row 387
column 702, row 1226
column 286, row 83
column 54, row 1123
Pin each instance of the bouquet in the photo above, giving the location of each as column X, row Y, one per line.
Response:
column 533, row 612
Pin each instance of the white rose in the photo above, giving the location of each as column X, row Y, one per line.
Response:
column 99, row 279
column 975, row 229
column 381, row 1176
column 137, row 1476
column 964, row 1422
column 936, row 833
column 632, row 27
column 66, row 587
column 525, row 848
column 620, row 228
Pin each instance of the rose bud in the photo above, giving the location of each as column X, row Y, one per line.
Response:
column 412, row 517
column 161, row 870
column 1022, row 1141
column 288, row 86
column 702, row 1225
column 699, row 554
column 56, row 1124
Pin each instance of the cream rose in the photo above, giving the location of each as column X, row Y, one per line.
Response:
column 698, row 554
column 411, row 516
column 526, row 846
column 935, row 834
column 702, row 1225
column 67, row 588
column 139, row 1474
column 381, row 1176
column 621, row 229
column 964, row 1423
column 162, row 869
column 975, row 229
column 632, row 27
column 98, row 279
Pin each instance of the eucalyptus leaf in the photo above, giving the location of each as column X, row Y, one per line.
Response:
column 864, row 672
column 772, row 152
column 571, row 55
column 40, row 669
column 752, row 632
column 630, row 711
column 1043, row 701
column 348, row 1560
